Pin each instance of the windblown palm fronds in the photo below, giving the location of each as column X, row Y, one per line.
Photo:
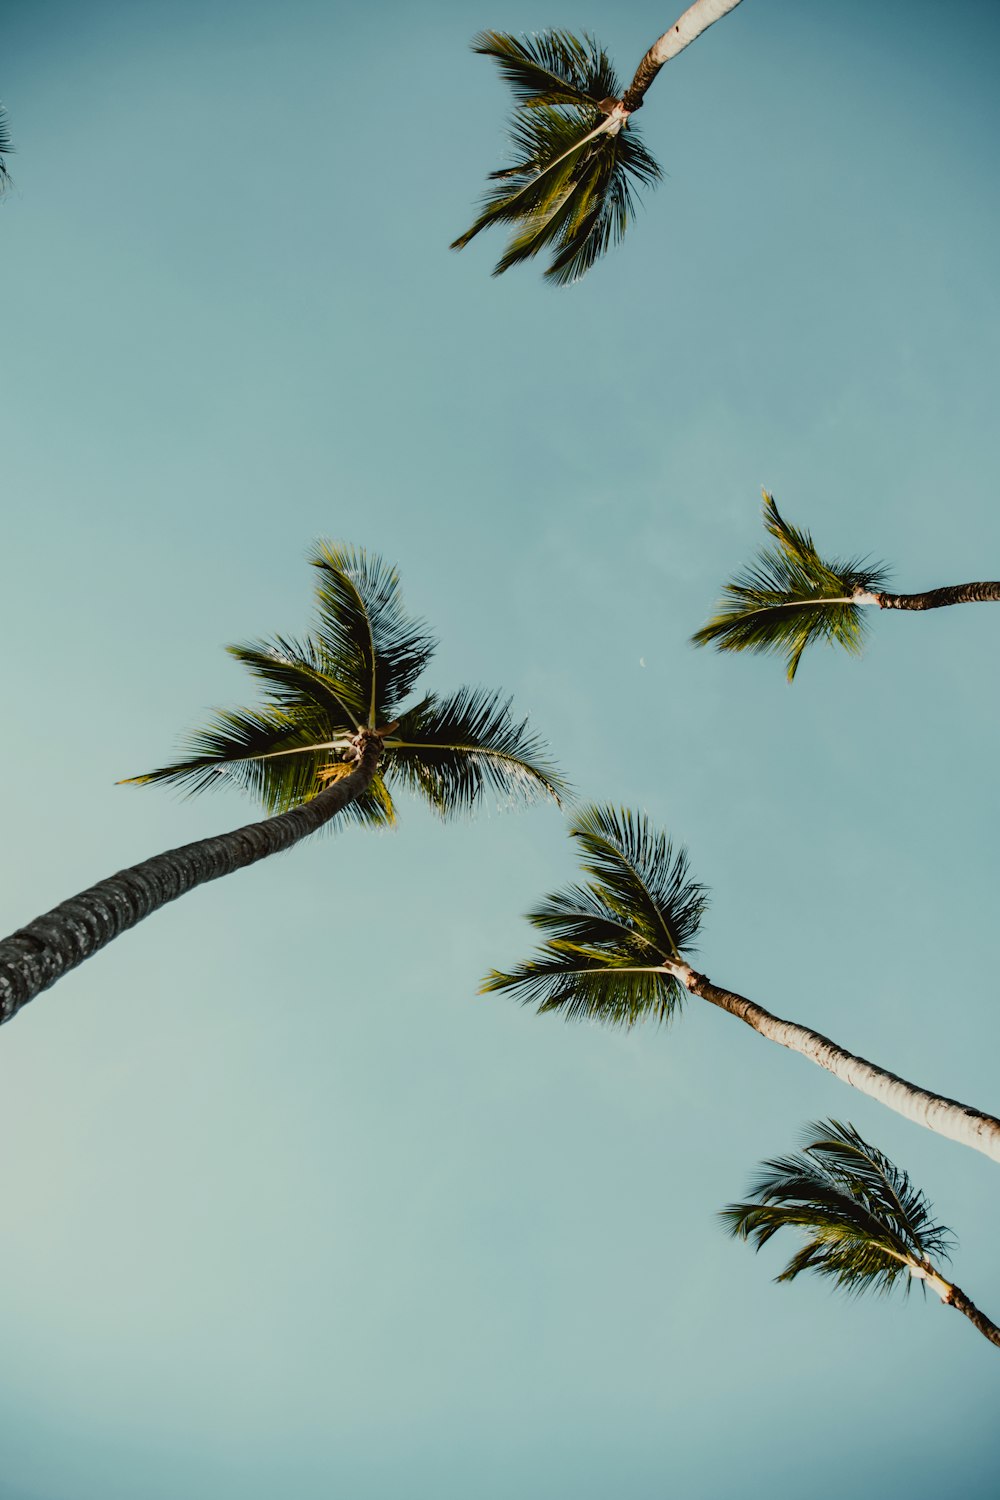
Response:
column 864, row 1223
column 6, row 148
column 789, row 597
column 570, row 189
column 607, row 939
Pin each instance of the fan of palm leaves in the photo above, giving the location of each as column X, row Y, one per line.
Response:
column 864, row 1222
column 789, row 597
column 608, row 938
column 570, row 188
column 6, row 147
column 353, row 673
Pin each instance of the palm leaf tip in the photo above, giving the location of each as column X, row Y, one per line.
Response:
column 863, row 1222
column 790, row 597
column 608, row 943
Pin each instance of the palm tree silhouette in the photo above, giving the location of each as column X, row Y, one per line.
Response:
column 6, row 148
column 577, row 156
column 334, row 735
column 614, row 952
column 864, row 1222
column 789, row 597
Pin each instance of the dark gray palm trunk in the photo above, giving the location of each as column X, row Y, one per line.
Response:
column 39, row 954
column 986, row 1326
column 956, row 593
column 934, row 1111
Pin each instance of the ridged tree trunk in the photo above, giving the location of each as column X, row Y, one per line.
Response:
column 39, row 954
column 958, row 1121
column 696, row 19
column 956, row 593
column 962, row 1304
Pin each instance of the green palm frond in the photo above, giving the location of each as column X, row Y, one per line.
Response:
column 353, row 673
column 6, row 149
column 864, row 1222
column 551, row 67
column 789, row 597
column 608, row 939
column 369, row 639
column 456, row 750
column 571, row 186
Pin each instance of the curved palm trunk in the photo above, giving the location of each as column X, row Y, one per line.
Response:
column 39, row 954
column 696, row 19
column 956, row 593
column 946, row 1116
column 956, row 1298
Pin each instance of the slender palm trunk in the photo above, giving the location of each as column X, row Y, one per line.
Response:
column 696, row 19
column 956, row 593
column 962, row 1304
column 946, row 1116
column 39, row 954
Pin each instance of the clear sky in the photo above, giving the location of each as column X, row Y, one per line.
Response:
column 287, row 1210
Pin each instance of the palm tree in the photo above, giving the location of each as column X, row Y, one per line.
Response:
column 6, row 148
column 789, row 597
column 577, row 158
column 336, row 733
column 614, row 952
column 865, row 1223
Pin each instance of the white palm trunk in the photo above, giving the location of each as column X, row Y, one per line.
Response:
column 970, row 1127
column 696, row 19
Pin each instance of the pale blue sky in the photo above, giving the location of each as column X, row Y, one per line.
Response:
column 287, row 1210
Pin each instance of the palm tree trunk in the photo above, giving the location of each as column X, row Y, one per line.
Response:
column 696, row 19
column 39, row 954
column 946, row 1116
column 956, row 593
column 986, row 1326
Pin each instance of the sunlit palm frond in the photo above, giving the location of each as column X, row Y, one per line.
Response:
column 368, row 638
column 296, row 675
column 863, row 1221
column 459, row 749
column 607, row 941
column 789, row 597
column 570, row 188
column 551, row 67
column 6, row 148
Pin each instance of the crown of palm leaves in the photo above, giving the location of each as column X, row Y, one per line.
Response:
column 351, row 675
column 608, row 938
column 570, row 187
column 864, row 1222
column 789, row 597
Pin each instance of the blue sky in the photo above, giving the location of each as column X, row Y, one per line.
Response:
column 287, row 1209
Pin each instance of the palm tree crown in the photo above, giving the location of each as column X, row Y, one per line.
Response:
column 608, row 939
column 789, row 597
column 864, row 1222
column 6, row 147
column 349, row 678
column 570, row 186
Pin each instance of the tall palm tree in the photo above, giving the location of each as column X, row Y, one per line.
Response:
column 338, row 731
column 577, row 158
column 789, row 597
column 864, row 1222
column 614, row 952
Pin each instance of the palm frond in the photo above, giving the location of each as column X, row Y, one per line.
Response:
column 279, row 756
column 571, row 185
column 368, row 637
column 297, row 674
column 551, row 67
column 456, row 750
column 864, row 1222
column 789, row 597
column 607, row 941
column 6, row 149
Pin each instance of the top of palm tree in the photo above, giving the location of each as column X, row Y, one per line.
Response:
column 6, row 147
column 577, row 160
column 864, row 1222
column 607, row 940
column 789, row 597
column 352, row 675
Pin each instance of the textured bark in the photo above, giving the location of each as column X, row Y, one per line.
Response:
column 947, row 1116
column 986, row 1326
column 696, row 19
column 39, row 954
column 956, row 593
